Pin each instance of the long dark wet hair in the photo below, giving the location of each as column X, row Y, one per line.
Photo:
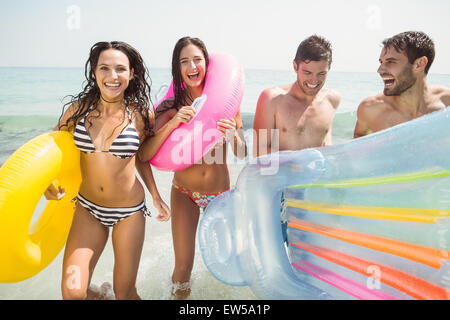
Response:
column 182, row 96
column 136, row 95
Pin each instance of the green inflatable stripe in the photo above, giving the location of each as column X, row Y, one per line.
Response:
column 411, row 177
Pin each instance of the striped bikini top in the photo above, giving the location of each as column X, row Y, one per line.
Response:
column 124, row 146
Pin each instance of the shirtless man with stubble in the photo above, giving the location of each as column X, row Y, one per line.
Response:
column 298, row 115
column 404, row 63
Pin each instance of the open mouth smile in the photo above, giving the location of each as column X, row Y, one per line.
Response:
column 112, row 85
column 312, row 86
column 194, row 76
column 388, row 81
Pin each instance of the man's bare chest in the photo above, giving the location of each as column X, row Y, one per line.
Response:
column 312, row 119
column 390, row 118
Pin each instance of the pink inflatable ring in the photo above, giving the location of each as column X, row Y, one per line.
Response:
column 221, row 99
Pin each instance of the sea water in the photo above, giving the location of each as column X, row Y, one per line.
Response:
column 31, row 101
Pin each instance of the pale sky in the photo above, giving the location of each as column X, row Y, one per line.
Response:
column 261, row 34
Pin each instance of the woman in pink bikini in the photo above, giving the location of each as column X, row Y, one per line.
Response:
column 194, row 187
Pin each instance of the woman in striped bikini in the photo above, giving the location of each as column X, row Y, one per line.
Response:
column 110, row 119
column 194, row 187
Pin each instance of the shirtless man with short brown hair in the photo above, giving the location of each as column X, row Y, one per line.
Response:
column 298, row 115
column 404, row 63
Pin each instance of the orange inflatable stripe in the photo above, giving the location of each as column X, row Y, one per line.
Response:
column 409, row 284
column 395, row 214
column 428, row 256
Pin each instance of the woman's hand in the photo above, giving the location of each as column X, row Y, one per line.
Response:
column 54, row 194
column 163, row 210
column 184, row 115
column 228, row 128
column 231, row 130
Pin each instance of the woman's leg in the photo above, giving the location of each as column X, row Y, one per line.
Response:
column 86, row 241
column 185, row 215
column 128, row 239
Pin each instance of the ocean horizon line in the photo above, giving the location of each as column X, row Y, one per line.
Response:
column 168, row 69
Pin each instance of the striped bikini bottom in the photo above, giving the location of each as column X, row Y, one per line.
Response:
column 110, row 216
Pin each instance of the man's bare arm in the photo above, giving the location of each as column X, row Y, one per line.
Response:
column 362, row 126
column 446, row 97
column 335, row 100
column 263, row 123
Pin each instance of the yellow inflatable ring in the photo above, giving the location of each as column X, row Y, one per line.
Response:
column 50, row 157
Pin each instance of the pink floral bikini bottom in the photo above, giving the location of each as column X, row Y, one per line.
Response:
column 200, row 199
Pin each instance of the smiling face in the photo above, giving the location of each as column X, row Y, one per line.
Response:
column 192, row 66
column 113, row 74
column 311, row 75
column 396, row 72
